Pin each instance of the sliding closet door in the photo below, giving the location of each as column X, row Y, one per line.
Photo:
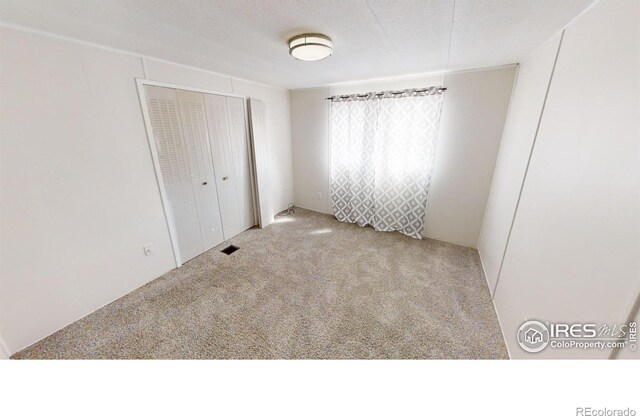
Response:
column 231, row 161
column 174, row 166
column 196, row 137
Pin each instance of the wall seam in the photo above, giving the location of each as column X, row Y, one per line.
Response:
column 526, row 171
column 144, row 68
column 493, row 178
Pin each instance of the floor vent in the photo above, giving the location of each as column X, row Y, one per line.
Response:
column 230, row 250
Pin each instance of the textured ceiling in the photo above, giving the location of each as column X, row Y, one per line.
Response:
column 247, row 38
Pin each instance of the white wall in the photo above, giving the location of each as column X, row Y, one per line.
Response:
column 78, row 190
column 4, row 350
column 517, row 141
column 473, row 115
column 574, row 251
column 310, row 137
column 278, row 132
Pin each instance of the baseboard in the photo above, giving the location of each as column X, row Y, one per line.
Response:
column 424, row 236
column 173, row 267
column 495, row 309
column 484, row 271
column 481, row 264
column 449, row 242
column 504, row 338
column 314, row 210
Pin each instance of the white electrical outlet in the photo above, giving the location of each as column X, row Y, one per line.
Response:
column 148, row 249
column 319, row 195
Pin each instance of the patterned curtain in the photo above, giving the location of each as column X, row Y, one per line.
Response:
column 382, row 157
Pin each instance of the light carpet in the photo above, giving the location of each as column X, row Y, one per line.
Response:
column 307, row 286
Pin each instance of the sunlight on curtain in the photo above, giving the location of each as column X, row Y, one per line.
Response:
column 382, row 158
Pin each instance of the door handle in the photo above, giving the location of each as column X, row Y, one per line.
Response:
column 224, row 178
column 204, row 183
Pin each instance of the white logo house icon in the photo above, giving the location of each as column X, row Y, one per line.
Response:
column 533, row 336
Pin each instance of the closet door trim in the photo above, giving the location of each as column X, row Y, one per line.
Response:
column 142, row 96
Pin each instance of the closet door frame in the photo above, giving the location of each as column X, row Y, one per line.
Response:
column 141, row 83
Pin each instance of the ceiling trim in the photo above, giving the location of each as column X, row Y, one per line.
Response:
column 126, row 52
column 406, row 77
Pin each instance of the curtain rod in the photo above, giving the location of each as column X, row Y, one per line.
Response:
column 411, row 92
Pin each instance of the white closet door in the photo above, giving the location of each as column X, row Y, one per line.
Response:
column 223, row 162
column 163, row 109
column 196, row 137
column 240, row 155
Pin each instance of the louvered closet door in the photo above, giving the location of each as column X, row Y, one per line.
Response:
column 196, row 137
column 230, row 153
column 164, row 112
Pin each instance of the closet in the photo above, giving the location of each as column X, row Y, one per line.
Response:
column 204, row 158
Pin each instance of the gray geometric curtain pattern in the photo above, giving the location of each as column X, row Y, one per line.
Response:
column 382, row 158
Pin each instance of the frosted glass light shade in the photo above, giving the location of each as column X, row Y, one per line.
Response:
column 310, row 47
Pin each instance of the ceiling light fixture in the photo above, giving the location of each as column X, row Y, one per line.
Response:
column 310, row 47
